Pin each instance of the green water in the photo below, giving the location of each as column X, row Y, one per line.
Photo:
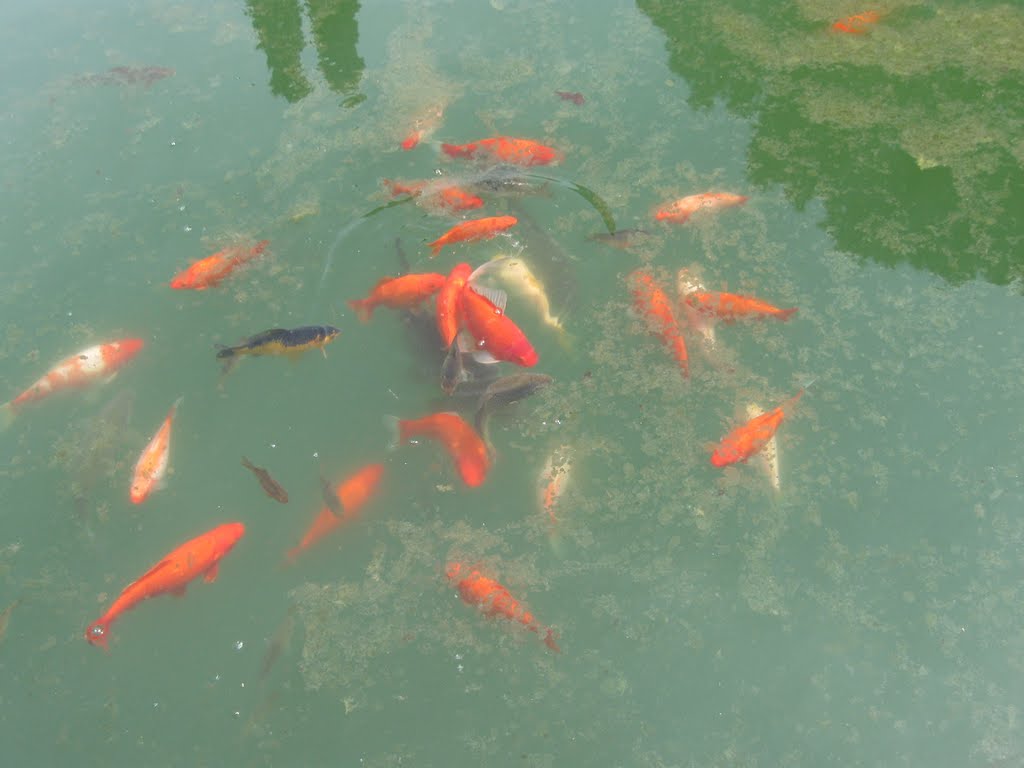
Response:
column 870, row 612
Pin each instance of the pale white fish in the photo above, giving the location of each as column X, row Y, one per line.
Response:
column 517, row 275
column 686, row 283
column 767, row 457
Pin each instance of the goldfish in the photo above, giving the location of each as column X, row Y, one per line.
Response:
column 497, row 337
column 507, row 150
column 687, row 283
column 516, row 273
column 448, row 302
column 731, row 306
column 650, row 300
column 270, row 486
column 398, row 293
column 200, row 556
column 350, row 495
column 88, row 366
column 574, row 96
column 151, row 468
column 423, row 126
column 472, row 230
column 494, row 599
column 446, row 198
column 858, row 23
column 506, row 390
column 749, row 438
column 291, row 343
column 682, row 209
column 209, row 272
column 553, row 480
column 463, row 444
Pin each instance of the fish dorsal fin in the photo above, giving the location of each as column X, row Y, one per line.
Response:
column 496, row 296
column 496, row 263
column 154, row 570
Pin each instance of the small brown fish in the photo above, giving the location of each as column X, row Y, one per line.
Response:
column 270, row 486
column 505, row 391
column 574, row 96
column 279, row 643
column 5, row 617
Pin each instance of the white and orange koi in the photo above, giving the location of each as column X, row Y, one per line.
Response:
column 769, row 455
column 88, row 366
column 553, row 480
column 151, row 468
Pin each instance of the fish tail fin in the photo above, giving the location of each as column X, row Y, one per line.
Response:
column 785, row 314
column 394, row 427
column 7, row 414
column 363, row 309
column 435, row 248
column 230, row 361
column 176, row 403
column 549, row 641
column 247, row 464
column 224, row 351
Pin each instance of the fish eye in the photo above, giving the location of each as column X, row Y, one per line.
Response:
column 97, row 631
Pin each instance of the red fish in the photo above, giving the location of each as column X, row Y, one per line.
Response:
column 747, row 439
column 199, row 557
column 398, row 293
column 650, row 300
column 88, row 366
column 682, row 209
column 352, row 494
column 464, row 445
column 483, row 316
column 441, row 199
column 574, row 96
column 209, row 272
column 399, row 188
column 857, row 24
column 151, row 468
column 423, row 126
column 732, row 306
column 474, row 229
column 495, row 600
column 448, row 301
column 506, row 150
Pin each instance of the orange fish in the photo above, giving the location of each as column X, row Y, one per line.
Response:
column 448, row 299
column 495, row 600
column 650, row 300
column 682, row 209
column 483, row 315
column 352, row 493
column 464, row 445
column 731, row 306
column 857, row 24
column 88, row 366
column 442, row 199
column 747, row 439
column 151, row 468
column 553, row 479
column 198, row 557
column 399, row 188
column 474, row 229
column 423, row 126
column 209, row 272
column 398, row 293
column 506, row 150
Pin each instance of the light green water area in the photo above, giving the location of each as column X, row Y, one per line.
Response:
column 868, row 612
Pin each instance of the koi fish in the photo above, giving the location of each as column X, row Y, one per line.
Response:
column 269, row 485
column 291, row 343
column 463, row 444
column 574, row 96
column 448, row 302
column 553, row 480
column 857, row 24
column 209, row 272
column 507, row 150
column 516, row 273
column 494, row 599
column 398, row 293
column 731, row 306
column 497, row 337
column 770, row 453
column 747, row 439
column 473, row 230
column 504, row 391
column 151, row 468
column 682, row 209
column 349, row 497
column 442, row 199
column 88, row 366
column 650, row 300
column 687, row 284
column 198, row 557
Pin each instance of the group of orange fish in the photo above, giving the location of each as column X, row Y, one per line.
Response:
column 471, row 319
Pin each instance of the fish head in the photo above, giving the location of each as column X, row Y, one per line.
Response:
column 330, row 333
column 228, row 535
column 523, row 353
column 121, row 351
column 97, row 634
column 138, row 492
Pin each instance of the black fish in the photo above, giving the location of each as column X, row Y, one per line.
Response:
column 270, row 486
column 506, row 390
column 280, row 341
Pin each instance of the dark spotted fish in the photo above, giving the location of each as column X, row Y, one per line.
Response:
column 270, row 486
column 290, row 342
